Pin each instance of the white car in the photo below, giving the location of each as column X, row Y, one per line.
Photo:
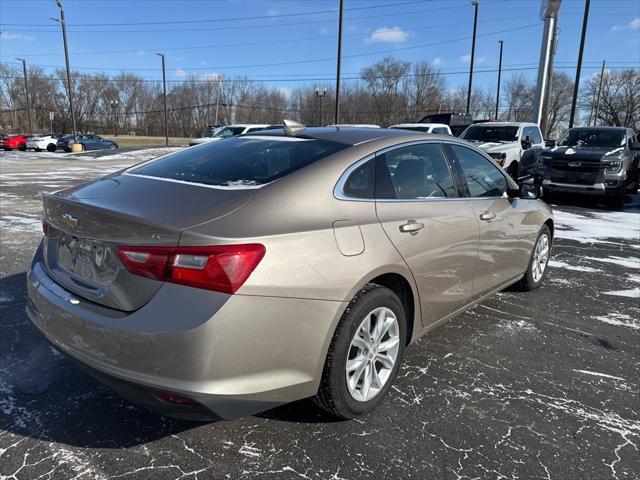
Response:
column 354, row 125
column 46, row 141
column 505, row 142
column 435, row 128
column 229, row 131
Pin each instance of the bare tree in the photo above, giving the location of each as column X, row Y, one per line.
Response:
column 619, row 98
column 382, row 80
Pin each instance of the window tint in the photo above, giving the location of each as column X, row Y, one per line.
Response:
column 441, row 131
column 360, row 182
column 240, row 161
column 536, row 136
column 414, row 172
column 483, row 178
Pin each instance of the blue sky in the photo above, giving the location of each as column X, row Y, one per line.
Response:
column 278, row 41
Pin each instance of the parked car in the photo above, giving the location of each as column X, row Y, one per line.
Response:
column 228, row 131
column 457, row 122
column 88, row 141
column 506, row 142
column 45, row 141
column 437, row 128
column 354, row 125
column 230, row 278
column 16, row 142
column 593, row 160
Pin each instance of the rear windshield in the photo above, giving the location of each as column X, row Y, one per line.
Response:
column 593, row 138
column 490, row 133
column 245, row 161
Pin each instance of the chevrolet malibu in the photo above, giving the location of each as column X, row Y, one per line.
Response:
column 231, row 277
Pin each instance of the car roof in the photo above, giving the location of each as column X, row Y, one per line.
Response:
column 611, row 127
column 245, row 125
column 507, row 124
column 350, row 135
column 428, row 125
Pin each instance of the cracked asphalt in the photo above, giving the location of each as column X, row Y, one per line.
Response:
column 526, row 385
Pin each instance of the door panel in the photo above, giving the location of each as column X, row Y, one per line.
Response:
column 441, row 255
column 419, row 206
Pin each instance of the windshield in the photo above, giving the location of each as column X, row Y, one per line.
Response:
column 592, row 138
column 490, row 133
column 210, row 132
column 240, row 161
column 226, row 132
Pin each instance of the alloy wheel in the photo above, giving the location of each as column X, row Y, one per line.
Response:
column 373, row 353
column 540, row 257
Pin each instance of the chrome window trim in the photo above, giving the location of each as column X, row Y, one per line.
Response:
column 338, row 190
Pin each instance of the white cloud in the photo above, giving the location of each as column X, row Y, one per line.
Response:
column 466, row 58
column 632, row 25
column 388, row 35
column 16, row 36
column 436, row 62
column 180, row 72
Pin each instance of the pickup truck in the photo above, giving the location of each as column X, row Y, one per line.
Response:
column 507, row 143
column 600, row 161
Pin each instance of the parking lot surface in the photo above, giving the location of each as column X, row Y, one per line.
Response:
column 526, row 385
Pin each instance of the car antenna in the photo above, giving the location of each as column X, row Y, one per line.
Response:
column 291, row 127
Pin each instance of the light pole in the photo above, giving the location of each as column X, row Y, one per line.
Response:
column 66, row 59
column 337, row 112
column 26, row 91
column 473, row 51
column 114, row 105
column 164, row 96
column 585, row 20
column 501, row 42
column 595, row 118
column 320, row 94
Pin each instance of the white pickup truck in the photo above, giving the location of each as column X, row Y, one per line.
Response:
column 505, row 142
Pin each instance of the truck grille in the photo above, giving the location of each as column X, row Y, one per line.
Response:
column 587, row 173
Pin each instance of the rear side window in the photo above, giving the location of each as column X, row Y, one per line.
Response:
column 360, row 182
column 240, row 161
column 441, row 131
column 414, row 172
column 483, row 178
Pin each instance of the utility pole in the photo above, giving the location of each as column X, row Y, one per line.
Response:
column 114, row 105
column 576, row 86
column 320, row 94
column 501, row 42
column 473, row 51
column 164, row 97
column 595, row 118
column 337, row 113
column 26, row 91
column 549, row 14
column 66, row 59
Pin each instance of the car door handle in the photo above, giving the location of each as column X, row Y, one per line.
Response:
column 411, row 227
column 487, row 216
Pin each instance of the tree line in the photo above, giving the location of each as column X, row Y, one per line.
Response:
column 386, row 92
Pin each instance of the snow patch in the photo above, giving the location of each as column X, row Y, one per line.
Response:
column 15, row 223
column 576, row 268
column 597, row 227
column 620, row 320
column 633, row 293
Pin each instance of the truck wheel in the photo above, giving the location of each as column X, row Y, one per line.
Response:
column 51, row 147
column 22, row 147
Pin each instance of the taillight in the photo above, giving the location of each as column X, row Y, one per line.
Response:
column 173, row 398
column 223, row 268
column 45, row 227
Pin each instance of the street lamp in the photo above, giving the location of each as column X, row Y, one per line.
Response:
column 66, row 59
column 337, row 112
column 320, row 94
column 26, row 90
column 473, row 51
column 576, row 85
column 114, row 104
column 501, row 42
column 164, row 96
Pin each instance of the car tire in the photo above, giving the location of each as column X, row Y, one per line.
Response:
column 532, row 278
column 112, row 147
column 51, row 147
column 22, row 147
column 334, row 394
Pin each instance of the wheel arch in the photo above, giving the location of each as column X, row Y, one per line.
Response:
column 399, row 285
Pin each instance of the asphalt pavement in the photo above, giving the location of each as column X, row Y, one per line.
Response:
column 542, row 385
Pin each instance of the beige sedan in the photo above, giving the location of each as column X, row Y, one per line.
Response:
column 235, row 276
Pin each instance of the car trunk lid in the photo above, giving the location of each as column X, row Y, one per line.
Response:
column 87, row 224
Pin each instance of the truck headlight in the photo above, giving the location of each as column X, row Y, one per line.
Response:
column 613, row 167
column 500, row 158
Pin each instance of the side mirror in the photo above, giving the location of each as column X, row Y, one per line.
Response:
column 634, row 146
column 526, row 143
column 526, row 191
column 550, row 143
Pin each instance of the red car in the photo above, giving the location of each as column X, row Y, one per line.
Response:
column 16, row 141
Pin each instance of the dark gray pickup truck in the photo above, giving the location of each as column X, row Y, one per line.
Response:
column 591, row 160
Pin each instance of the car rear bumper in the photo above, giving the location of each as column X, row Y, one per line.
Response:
column 233, row 354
